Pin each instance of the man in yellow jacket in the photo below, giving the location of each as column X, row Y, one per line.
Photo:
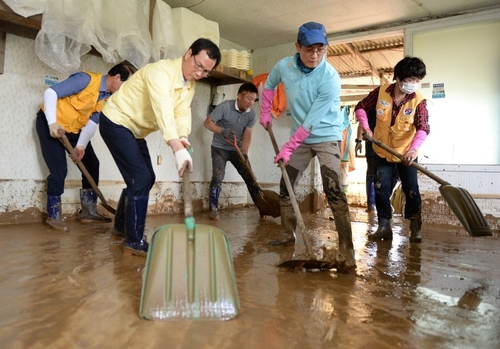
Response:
column 157, row 97
column 74, row 106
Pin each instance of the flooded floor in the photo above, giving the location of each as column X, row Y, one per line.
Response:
column 78, row 290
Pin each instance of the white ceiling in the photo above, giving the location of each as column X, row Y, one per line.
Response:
column 265, row 23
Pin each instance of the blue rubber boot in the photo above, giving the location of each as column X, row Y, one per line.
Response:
column 214, row 203
column 54, row 220
column 370, row 196
column 136, row 209
column 118, row 231
column 89, row 214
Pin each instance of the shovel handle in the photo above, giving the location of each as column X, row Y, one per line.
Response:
column 188, row 200
column 65, row 141
column 244, row 161
column 289, row 187
column 399, row 156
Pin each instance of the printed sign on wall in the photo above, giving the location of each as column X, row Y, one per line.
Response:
column 438, row 91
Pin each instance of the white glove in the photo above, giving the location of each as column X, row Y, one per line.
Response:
column 185, row 142
column 54, row 130
column 182, row 161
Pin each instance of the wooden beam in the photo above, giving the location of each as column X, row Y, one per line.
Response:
column 17, row 29
column 353, row 98
column 378, row 49
column 152, row 4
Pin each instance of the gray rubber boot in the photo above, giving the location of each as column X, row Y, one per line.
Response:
column 384, row 230
column 415, row 227
column 288, row 224
column 54, row 220
column 89, row 214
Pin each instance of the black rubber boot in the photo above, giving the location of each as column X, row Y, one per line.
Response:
column 370, row 196
column 89, row 214
column 415, row 226
column 54, row 220
column 214, row 203
column 118, row 230
column 384, row 231
column 135, row 221
column 288, row 223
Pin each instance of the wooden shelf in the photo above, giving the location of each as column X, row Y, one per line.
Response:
column 226, row 76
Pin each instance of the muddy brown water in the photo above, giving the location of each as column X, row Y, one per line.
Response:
column 78, row 290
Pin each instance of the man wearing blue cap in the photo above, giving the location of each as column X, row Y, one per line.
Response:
column 313, row 93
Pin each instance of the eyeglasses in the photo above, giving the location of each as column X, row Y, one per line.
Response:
column 199, row 67
column 311, row 50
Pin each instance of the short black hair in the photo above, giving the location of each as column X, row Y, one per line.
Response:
column 409, row 67
column 213, row 51
column 125, row 69
column 248, row 87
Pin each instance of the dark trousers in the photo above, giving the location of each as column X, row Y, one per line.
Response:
column 131, row 156
column 55, row 157
column 384, row 174
column 219, row 159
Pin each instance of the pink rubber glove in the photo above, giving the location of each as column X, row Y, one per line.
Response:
column 363, row 121
column 289, row 147
column 265, row 108
column 418, row 139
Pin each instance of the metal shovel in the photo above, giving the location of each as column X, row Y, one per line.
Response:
column 267, row 201
column 460, row 201
column 65, row 141
column 312, row 263
column 189, row 272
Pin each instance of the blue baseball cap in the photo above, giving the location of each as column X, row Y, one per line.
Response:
column 311, row 33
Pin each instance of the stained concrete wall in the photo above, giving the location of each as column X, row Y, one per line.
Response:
column 23, row 171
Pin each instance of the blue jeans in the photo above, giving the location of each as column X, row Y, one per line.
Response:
column 131, row 156
column 384, row 185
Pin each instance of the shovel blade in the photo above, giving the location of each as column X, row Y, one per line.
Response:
column 307, row 264
column 268, row 203
column 465, row 208
column 180, row 285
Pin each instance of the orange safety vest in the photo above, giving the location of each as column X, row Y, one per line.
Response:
column 74, row 111
column 279, row 99
column 399, row 135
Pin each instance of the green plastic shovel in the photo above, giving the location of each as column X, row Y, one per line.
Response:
column 189, row 272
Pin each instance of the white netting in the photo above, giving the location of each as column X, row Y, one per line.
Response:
column 117, row 29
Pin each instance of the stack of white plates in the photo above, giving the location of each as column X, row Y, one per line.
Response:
column 234, row 59
column 224, row 58
column 242, row 60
